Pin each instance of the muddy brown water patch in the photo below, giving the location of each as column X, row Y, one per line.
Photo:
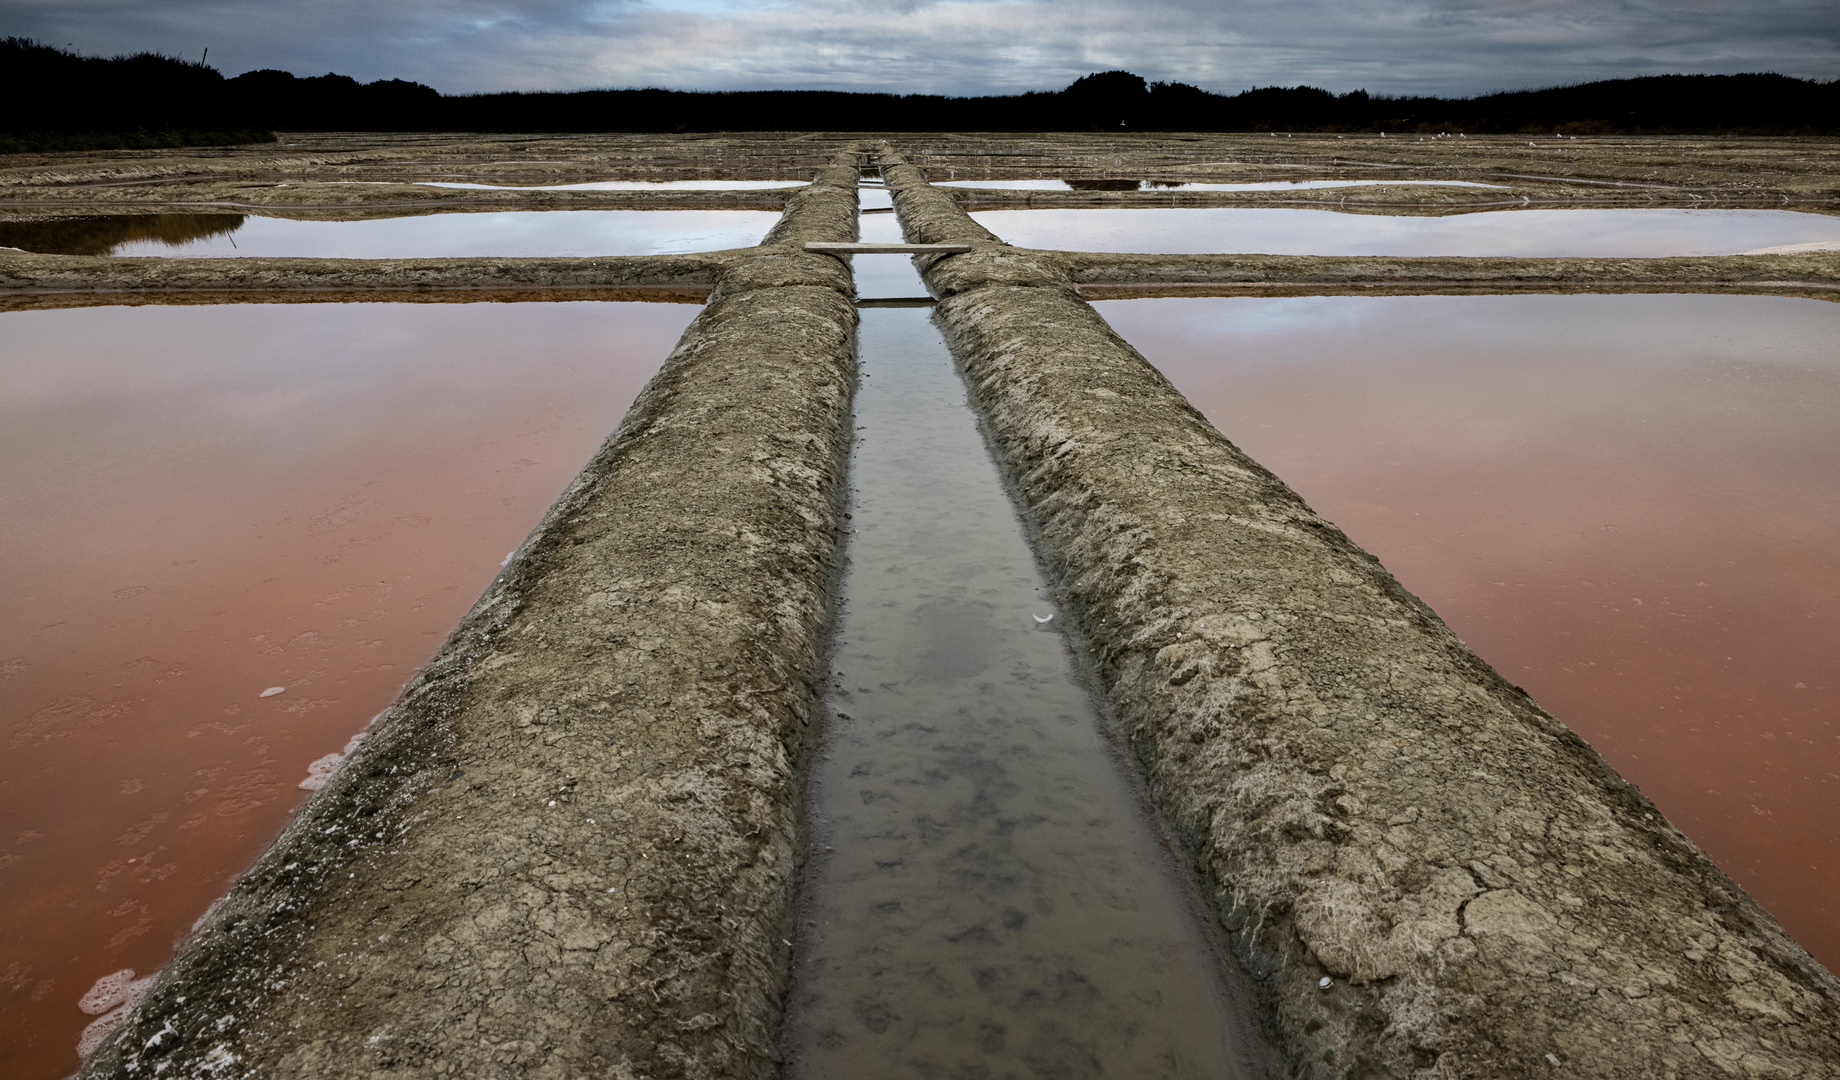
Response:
column 1627, row 504
column 202, row 504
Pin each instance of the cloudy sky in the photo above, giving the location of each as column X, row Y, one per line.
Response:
column 959, row 46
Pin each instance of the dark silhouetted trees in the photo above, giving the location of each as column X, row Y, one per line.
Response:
column 60, row 99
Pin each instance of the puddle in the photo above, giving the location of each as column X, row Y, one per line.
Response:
column 1184, row 185
column 1292, row 231
column 629, row 185
column 1630, row 505
column 984, row 897
column 201, row 504
column 511, row 234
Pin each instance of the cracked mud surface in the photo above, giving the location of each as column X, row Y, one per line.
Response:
column 568, row 849
column 1367, row 800
column 1370, row 802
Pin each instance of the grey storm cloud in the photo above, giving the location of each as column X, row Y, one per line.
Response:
column 960, row 46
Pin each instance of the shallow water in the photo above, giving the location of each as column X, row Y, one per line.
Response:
column 524, row 233
column 1184, row 185
column 883, row 276
column 630, row 185
column 875, row 197
column 198, row 504
column 1292, row 231
column 985, row 898
column 1629, row 505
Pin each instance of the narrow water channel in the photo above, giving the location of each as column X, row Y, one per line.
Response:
column 984, row 897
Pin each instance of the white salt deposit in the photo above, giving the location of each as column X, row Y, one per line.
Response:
column 321, row 769
column 98, row 1033
column 114, row 997
column 112, row 990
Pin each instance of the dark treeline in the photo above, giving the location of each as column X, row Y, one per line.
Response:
column 1118, row 100
column 62, row 100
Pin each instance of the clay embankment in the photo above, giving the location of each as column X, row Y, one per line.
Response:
column 1370, row 803
column 341, row 175
column 568, row 848
column 1100, row 275
column 484, row 158
column 345, row 176
column 29, row 280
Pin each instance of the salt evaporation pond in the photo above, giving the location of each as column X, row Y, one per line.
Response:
column 1629, row 505
column 199, row 504
column 629, row 185
column 1294, row 231
column 1187, row 185
column 522, row 233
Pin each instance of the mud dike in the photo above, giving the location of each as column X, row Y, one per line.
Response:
column 572, row 848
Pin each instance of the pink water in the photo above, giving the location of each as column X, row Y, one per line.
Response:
column 1629, row 505
column 199, row 504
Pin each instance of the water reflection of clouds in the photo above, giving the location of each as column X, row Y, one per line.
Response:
column 1483, row 328
column 1529, row 233
column 1252, row 316
column 568, row 233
